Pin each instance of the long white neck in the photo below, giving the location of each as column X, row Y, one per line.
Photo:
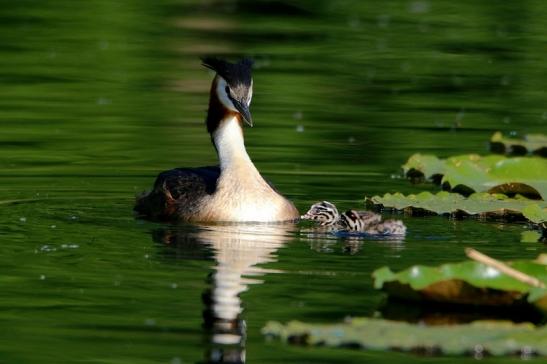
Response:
column 228, row 139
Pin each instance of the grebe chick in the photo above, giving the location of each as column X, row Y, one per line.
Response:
column 352, row 220
column 368, row 222
column 234, row 191
column 327, row 214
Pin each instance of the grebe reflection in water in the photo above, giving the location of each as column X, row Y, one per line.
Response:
column 238, row 251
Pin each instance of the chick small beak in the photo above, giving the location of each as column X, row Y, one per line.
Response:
column 245, row 113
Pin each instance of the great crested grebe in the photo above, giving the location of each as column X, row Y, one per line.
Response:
column 234, row 191
column 368, row 222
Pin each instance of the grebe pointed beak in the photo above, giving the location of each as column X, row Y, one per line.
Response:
column 244, row 111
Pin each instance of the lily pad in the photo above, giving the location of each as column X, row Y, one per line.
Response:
column 472, row 173
column 536, row 213
column 419, row 166
column 477, row 338
column 531, row 143
column 530, row 236
column 467, row 283
column 479, row 204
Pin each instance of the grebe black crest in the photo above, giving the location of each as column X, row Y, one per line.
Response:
column 368, row 222
column 234, row 191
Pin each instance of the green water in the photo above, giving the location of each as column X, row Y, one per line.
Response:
column 97, row 97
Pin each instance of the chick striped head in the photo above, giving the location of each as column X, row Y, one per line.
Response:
column 323, row 212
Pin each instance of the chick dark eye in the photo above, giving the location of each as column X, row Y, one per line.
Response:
column 227, row 89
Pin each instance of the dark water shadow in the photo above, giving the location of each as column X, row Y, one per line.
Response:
column 433, row 314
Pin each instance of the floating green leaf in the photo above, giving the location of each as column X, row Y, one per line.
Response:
column 473, row 173
column 468, row 283
column 530, row 236
column 477, row 338
column 481, row 204
column 536, row 213
column 424, row 165
column 531, row 143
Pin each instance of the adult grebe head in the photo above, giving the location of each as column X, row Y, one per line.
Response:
column 233, row 85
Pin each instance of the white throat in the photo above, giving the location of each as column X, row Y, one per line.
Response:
column 230, row 145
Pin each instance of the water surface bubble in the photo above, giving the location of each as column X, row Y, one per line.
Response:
column 47, row 248
column 70, row 246
column 383, row 21
column 418, row 7
column 150, row 322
